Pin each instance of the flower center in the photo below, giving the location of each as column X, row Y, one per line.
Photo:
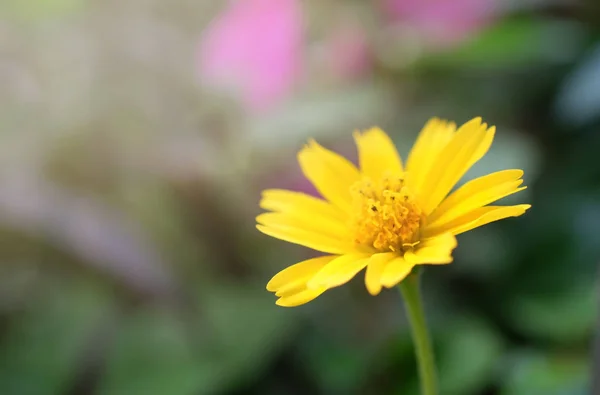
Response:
column 386, row 214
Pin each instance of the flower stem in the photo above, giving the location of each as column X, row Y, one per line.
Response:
column 414, row 308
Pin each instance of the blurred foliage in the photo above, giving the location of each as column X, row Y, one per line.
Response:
column 130, row 262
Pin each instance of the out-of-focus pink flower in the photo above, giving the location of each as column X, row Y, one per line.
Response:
column 444, row 22
column 254, row 47
column 348, row 53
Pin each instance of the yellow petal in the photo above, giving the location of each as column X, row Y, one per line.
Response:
column 483, row 148
column 395, row 271
column 375, row 267
column 308, row 239
column 430, row 256
column 434, row 136
column 437, row 250
column 331, row 174
column 467, row 146
column 300, row 271
column 377, row 154
column 300, row 298
column 339, row 271
column 476, row 218
column 447, row 239
column 292, row 288
column 280, row 200
column 476, row 194
column 331, row 228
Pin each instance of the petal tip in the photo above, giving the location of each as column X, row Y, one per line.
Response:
column 374, row 291
column 391, row 283
column 475, row 123
column 454, row 242
column 263, row 229
column 374, row 129
column 273, row 285
column 281, row 302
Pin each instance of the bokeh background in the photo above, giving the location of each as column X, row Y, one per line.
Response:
column 136, row 136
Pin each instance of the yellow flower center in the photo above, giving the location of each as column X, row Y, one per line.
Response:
column 386, row 214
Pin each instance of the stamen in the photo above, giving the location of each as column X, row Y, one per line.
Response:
column 387, row 216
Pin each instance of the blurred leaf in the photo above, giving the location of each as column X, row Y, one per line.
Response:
column 538, row 374
column 562, row 228
column 392, row 364
column 336, row 366
column 152, row 355
column 43, row 348
column 468, row 356
column 159, row 352
column 487, row 254
column 467, row 351
column 248, row 330
column 558, row 315
column 514, row 42
column 578, row 100
column 552, row 290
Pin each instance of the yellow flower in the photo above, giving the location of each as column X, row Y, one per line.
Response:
column 385, row 216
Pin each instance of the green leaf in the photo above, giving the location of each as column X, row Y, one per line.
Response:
column 337, row 367
column 467, row 353
column 557, row 315
column 152, row 355
column 468, row 356
column 531, row 373
column 43, row 346
column 578, row 99
column 514, row 42
column 226, row 342
column 248, row 330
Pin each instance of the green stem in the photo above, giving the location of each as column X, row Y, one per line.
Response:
column 414, row 308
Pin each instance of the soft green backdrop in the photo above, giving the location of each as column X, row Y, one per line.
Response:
column 129, row 261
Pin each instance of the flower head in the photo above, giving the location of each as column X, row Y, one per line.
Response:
column 385, row 216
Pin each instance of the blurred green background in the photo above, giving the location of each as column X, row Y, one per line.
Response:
column 136, row 137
